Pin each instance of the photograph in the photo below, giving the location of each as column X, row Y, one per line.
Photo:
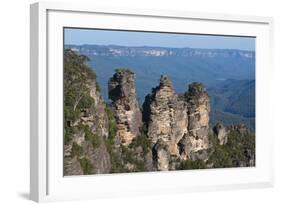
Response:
column 148, row 101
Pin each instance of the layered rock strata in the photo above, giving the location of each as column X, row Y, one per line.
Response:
column 92, row 121
column 167, row 116
column 181, row 125
column 198, row 108
column 86, row 121
column 127, row 112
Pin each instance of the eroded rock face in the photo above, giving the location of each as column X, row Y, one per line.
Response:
column 221, row 133
column 198, row 115
column 127, row 112
column 94, row 116
column 167, row 116
column 98, row 156
column 91, row 121
column 180, row 123
column 198, row 108
column 185, row 147
column 72, row 166
column 166, row 119
column 99, row 124
column 161, row 155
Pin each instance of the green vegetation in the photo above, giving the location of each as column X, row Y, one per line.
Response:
column 117, row 165
column 112, row 128
column 76, row 91
column 230, row 119
column 238, row 149
column 130, row 156
column 76, row 150
column 118, row 70
column 233, row 102
column 142, row 141
column 90, row 136
column 87, row 166
column 68, row 134
column 122, row 156
column 188, row 164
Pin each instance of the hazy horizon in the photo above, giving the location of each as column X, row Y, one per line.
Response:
column 143, row 46
column 79, row 37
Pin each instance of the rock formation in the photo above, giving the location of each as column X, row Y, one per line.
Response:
column 198, row 108
column 91, row 123
column 127, row 112
column 72, row 166
column 86, row 121
column 172, row 132
column 161, row 155
column 221, row 132
column 167, row 116
column 183, row 125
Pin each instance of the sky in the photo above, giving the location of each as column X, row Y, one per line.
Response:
column 129, row 38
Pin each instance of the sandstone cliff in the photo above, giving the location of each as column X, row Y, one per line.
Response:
column 166, row 121
column 127, row 112
column 182, row 125
column 198, row 108
column 85, row 118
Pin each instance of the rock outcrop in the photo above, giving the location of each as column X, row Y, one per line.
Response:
column 166, row 120
column 161, row 155
column 127, row 112
column 198, row 108
column 86, row 120
column 98, row 156
column 99, row 120
column 72, row 166
column 221, row 133
column 180, row 123
column 92, row 124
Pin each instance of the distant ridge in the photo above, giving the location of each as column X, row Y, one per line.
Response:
column 116, row 50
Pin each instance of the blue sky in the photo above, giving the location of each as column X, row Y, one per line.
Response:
column 126, row 38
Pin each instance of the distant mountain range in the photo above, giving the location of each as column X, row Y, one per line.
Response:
column 118, row 51
column 228, row 74
column 233, row 101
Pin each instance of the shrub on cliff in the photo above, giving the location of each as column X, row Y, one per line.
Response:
column 238, row 151
column 87, row 166
column 76, row 91
column 189, row 164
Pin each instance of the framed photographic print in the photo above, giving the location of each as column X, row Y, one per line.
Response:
column 127, row 102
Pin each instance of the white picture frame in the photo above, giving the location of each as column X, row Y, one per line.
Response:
column 47, row 182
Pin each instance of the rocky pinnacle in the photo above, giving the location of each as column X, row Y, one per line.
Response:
column 180, row 124
column 127, row 112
